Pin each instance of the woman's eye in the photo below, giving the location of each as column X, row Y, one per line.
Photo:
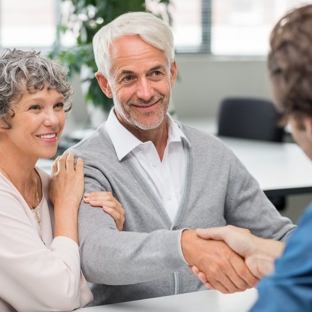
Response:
column 34, row 107
column 59, row 105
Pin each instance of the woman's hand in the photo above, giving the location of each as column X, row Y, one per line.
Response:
column 67, row 180
column 66, row 192
column 109, row 204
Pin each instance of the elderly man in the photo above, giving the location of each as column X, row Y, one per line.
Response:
column 170, row 179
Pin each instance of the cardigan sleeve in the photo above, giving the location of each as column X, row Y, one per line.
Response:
column 111, row 257
column 36, row 277
column 247, row 206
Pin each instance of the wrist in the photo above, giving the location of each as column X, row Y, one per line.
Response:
column 268, row 248
column 63, row 204
column 187, row 242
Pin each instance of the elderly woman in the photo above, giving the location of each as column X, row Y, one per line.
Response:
column 39, row 253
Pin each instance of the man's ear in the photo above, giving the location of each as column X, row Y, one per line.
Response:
column 173, row 72
column 104, row 84
column 307, row 122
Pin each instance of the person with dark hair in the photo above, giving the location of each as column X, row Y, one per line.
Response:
column 288, row 286
column 170, row 179
column 39, row 252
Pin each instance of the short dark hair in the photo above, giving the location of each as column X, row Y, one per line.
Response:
column 290, row 63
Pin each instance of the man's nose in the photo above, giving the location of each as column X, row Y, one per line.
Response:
column 145, row 90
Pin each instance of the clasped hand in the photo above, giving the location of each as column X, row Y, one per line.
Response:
column 258, row 253
column 218, row 266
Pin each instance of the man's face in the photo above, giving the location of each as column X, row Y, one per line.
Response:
column 302, row 136
column 141, row 83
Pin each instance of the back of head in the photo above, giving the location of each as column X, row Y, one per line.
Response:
column 28, row 71
column 150, row 28
column 290, row 63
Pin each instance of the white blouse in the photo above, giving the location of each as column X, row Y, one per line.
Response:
column 37, row 272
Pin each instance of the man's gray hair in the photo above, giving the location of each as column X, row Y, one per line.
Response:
column 28, row 71
column 150, row 28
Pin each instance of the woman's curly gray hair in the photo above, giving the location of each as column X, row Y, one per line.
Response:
column 28, row 71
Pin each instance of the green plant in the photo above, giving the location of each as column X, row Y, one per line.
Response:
column 83, row 19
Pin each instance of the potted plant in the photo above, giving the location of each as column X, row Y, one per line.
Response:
column 83, row 19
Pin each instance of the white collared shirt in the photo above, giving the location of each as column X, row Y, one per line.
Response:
column 166, row 178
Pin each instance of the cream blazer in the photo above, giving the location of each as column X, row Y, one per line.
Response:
column 37, row 272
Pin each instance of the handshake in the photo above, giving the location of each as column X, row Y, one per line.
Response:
column 229, row 259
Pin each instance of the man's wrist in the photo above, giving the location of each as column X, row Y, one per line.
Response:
column 187, row 241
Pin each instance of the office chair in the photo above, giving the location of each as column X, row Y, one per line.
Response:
column 251, row 118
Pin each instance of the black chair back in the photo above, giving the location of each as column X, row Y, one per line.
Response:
column 249, row 118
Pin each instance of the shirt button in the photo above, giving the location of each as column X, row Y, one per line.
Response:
column 169, row 197
column 154, row 165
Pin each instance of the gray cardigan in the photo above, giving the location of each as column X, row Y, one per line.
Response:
column 145, row 259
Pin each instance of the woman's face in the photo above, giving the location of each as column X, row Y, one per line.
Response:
column 37, row 125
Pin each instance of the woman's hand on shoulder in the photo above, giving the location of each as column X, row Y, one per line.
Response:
column 67, row 181
column 109, row 204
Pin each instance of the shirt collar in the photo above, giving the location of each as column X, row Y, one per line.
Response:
column 124, row 141
column 175, row 133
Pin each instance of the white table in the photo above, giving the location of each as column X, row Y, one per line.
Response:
column 280, row 168
column 202, row 301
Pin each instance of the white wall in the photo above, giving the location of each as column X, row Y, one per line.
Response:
column 205, row 80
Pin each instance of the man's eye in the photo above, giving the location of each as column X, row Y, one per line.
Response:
column 156, row 74
column 127, row 79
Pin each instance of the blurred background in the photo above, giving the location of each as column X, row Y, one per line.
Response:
column 221, row 51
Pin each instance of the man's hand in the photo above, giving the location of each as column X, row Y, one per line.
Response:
column 259, row 253
column 224, row 269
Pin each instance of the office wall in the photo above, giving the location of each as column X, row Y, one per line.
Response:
column 204, row 81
